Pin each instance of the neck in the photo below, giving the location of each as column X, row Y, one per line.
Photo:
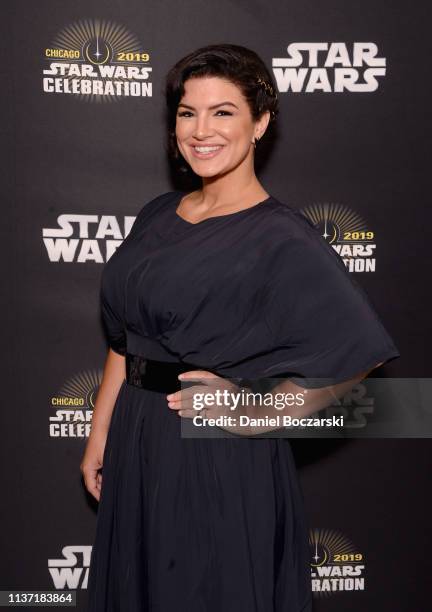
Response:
column 231, row 188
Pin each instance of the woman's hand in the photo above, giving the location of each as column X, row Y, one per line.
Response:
column 183, row 400
column 92, row 462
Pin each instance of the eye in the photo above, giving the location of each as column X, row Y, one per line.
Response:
column 188, row 113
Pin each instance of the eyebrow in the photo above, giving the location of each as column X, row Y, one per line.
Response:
column 211, row 107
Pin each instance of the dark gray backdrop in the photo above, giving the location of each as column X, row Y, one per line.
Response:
column 366, row 151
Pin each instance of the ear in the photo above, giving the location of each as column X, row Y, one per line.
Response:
column 261, row 125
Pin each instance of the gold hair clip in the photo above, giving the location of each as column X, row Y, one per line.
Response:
column 266, row 86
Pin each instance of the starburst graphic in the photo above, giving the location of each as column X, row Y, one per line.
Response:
column 326, row 543
column 334, row 220
column 85, row 384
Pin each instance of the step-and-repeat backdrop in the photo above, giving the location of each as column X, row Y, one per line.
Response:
column 84, row 130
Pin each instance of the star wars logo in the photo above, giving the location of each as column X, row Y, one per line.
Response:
column 71, row 571
column 95, row 60
column 74, row 405
column 83, row 238
column 356, row 407
column 336, row 564
column 329, row 67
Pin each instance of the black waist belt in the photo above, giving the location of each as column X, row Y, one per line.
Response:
column 154, row 375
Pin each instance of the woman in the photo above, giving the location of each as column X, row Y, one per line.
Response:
column 222, row 282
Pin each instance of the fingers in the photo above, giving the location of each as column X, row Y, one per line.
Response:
column 93, row 488
column 189, row 413
column 92, row 482
column 183, row 397
column 184, row 407
column 197, row 374
column 182, row 400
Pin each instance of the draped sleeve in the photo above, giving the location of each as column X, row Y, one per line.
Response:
column 111, row 302
column 114, row 275
column 323, row 327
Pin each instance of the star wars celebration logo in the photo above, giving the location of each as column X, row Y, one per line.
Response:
column 72, row 570
column 336, row 564
column 85, row 238
column 329, row 67
column 97, row 60
column 348, row 234
column 73, row 406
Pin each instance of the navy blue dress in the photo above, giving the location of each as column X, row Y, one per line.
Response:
column 217, row 525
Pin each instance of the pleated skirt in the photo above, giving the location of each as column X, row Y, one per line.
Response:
column 195, row 525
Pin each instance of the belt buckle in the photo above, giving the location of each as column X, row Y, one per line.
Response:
column 136, row 367
column 154, row 375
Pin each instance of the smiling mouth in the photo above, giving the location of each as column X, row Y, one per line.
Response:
column 206, row 151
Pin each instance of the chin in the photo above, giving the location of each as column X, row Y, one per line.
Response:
column 207, row 172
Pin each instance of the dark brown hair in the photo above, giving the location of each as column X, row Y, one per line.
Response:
column 240, row 65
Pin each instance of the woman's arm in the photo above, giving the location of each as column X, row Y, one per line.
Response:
column 314, row 400
column 113, row 376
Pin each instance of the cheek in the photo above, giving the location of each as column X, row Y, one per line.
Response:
column 181, row 131
column 236, row 132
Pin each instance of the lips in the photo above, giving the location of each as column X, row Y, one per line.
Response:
column 206, row 151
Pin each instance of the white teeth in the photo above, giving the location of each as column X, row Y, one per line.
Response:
column 206, row 149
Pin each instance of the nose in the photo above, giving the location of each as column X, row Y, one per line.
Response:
column 203, row 128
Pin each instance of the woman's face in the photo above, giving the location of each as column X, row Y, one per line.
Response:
column 214, row 126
